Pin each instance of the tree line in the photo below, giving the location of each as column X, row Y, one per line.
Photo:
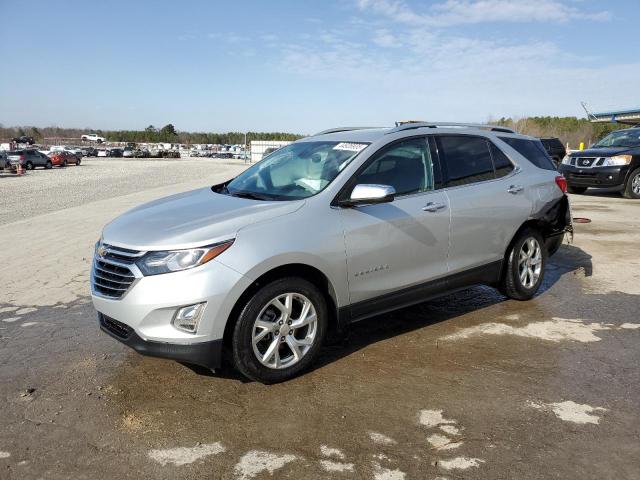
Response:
column 571, row 130
column 151, row 134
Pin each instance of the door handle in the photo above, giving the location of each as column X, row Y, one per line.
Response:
column 433, row 206
column 515, row 189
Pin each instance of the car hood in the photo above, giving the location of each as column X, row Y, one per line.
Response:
column 190, row 219
column 603, row 152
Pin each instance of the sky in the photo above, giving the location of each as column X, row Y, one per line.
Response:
column 303, row 66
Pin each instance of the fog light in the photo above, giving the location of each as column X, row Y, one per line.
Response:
column 187, row 318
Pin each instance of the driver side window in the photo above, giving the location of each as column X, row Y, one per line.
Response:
column 406, row 166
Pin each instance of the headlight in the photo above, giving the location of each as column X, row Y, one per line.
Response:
column 566, row 160
column 617, row 160
column 155, row 263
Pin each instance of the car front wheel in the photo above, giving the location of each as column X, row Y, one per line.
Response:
column 632, row 187
column 524, row 269
column 280, row 330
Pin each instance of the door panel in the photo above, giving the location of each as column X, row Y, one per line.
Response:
column 395, row 245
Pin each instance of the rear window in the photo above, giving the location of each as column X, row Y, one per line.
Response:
column 532, row 150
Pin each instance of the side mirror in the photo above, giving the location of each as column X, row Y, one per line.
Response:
column 365, row 194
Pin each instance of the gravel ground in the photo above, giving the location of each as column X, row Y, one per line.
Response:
column 42, row 191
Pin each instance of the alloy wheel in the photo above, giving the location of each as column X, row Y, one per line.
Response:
column 635, row 184
column 530, row 262
column 284, row 331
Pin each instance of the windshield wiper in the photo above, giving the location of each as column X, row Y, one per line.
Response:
column 248, row 194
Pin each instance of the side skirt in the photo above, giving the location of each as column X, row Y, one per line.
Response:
column 488, row 274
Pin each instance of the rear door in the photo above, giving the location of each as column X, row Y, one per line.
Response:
column 404, row 243
column 487, row 198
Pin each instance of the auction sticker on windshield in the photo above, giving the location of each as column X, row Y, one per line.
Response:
column 351, row 147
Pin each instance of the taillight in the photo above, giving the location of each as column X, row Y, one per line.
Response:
column 562, row 183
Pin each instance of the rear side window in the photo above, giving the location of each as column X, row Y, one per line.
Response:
column 467, row 158
column 501, row 162
column 532, row 150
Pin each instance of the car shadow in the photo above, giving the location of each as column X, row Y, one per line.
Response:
column 568, row 260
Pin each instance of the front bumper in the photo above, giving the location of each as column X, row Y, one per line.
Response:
column 594, row 177
column 142, row 317
column 205, row 354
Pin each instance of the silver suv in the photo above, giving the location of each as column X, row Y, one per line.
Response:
column 332, row 229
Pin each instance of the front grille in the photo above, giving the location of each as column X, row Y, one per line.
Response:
column 119, row 329
column 113, row 272
column 585, row 161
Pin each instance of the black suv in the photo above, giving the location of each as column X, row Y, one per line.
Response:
column 614, row 161
column 23, row 140
column 554, row 148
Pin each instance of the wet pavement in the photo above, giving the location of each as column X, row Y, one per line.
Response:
column 466, row 386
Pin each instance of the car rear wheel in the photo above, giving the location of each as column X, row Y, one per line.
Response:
column 280, row 330
column 78, row 163
column 577, row 190
column 64, row 163
column 524, row 269
column 29, row 166
column 632, row 187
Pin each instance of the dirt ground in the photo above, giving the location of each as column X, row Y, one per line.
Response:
column 469, row 386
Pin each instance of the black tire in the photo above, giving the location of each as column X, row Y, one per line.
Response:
column 28, row 166
column 629, row 186
column 511, row 285
column 64, row 163
column 48, row 165
column 78, row 162
column 244, row 358
column 554, row 244
column 578, row 190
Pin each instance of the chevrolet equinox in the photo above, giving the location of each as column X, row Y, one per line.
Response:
column 329, row 230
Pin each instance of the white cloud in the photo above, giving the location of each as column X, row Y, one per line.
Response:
column 459, row 12
column 384, row 38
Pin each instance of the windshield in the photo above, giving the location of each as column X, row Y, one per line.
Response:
column 296, row 171
column 621, row 138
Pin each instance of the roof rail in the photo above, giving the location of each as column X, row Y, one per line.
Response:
column 340, row 129
column 414, row 125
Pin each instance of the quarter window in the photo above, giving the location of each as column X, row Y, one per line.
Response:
column 501, row 162
column 467, row 158
column 406, row 166
column 532, row 150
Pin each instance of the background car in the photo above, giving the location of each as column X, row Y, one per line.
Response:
column 114, row 152
column 23, row 139
column 63, row 158
column 613, row 162
column 102, row 153
column 127, row 152
column 29, row 158
column 92, row 137
column 90, row 152
column 554, row 148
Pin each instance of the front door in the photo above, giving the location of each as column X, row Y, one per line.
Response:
column 404, row 243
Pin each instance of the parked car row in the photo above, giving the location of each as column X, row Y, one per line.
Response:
column 30, row 158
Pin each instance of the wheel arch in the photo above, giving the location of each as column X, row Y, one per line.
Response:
column 302, row 270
